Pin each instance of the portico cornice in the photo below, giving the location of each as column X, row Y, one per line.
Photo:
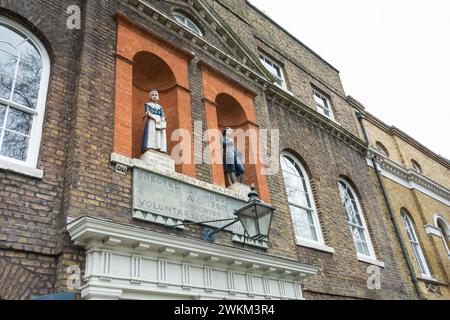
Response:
column 87, row 229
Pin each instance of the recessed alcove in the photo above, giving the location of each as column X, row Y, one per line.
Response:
column 152, row 72
column 230, row 114
column 145, row 62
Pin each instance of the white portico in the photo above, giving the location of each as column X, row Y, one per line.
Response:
column 128, row 262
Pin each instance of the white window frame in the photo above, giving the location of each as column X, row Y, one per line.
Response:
column 319, row 244
column 416, row 166
column 269, row 63
column 382, row 149
column 415, row 244
column 360, row 256
column 28, row 167
column 444, row 233
column 319, row 109
column 185, row 19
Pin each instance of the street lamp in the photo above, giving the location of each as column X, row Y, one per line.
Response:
column 255, row 217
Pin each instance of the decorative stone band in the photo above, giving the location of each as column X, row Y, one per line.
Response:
column 409, row 178
column 282, row 98
column 131, row 163
column 129, row 262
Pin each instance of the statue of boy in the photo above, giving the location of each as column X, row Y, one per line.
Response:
column 155, row 126
column 233, row 165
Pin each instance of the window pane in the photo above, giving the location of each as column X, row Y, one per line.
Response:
column 288, row 166
column 7, row 62
column 317, row 100
column 303, row 223
column 298, row 197
column 359, row 231
column 15, row 146
column 279, row 82
column 5, row 87
column 26, row 93
column 29, row 72
column 365, row 248
column 11, row 36
column 19, row 121
column 294, row 181
column 2, row 114
column 28, row 52
column 193, row 27
column 418, row 254
column 357, row 240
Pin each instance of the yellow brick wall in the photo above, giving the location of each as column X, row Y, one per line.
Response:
column 422, row 209
column 430, row 167
column 401, row 152
column 420, row 206
column 376, row 134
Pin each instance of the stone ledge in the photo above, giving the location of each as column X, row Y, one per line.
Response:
column 21, row 169
column 131, row 163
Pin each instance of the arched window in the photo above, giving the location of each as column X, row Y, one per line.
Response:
column 24, row 73
column 356, row 220
column 445, row 231
column 416, row 166
column 382, row 149
column 301, row 202
column 412, row 236
column 187, row 23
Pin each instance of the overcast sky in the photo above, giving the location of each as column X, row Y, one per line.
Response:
column 393, row 55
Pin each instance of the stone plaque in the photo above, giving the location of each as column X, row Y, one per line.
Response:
column 165, row 200
column 158, row 161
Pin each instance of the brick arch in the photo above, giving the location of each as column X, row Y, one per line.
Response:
column 404, row 210
column 31, row 25
column 301, row 159
column 145, row 61
column 16, row 282
column 348, row 179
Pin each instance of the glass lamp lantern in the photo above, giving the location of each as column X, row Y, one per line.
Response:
column 255, row 217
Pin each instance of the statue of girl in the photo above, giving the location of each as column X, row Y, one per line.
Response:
column 155, row 127
column 233, row 166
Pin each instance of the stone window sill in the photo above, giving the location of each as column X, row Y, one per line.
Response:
column 429, row 279
column 315, row 245
column 371, row 261
column 21, row 169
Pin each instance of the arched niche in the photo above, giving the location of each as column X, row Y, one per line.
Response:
column 228, row 104
column 229, row 112
column 152, row 72
column 144, row 62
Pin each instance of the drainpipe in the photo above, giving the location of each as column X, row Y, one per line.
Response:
column 361, row 117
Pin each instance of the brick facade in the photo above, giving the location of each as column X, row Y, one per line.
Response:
column 93, row 109
column 422, row 207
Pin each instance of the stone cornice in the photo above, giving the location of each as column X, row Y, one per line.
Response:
column 289, row 101
column 409, row 176
column 86, row 229
column 392, row 130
